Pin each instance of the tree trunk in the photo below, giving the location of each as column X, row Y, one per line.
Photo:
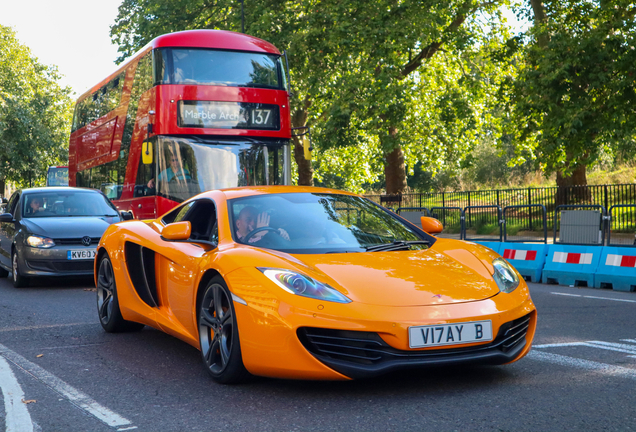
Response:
column 540, row 18
column 394, row 167
column 305, row 170
column 573, row 189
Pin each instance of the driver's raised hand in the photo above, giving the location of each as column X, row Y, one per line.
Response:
column 263, row 220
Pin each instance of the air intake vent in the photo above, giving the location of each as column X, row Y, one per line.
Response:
column 140, row 262
column 360, row 354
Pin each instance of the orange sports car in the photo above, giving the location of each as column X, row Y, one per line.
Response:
column 309, row 283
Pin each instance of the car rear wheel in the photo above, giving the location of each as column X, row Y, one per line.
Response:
column 108, row 303
column 19, row 281
column 218, row 334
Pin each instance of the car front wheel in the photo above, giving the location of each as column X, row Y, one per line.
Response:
column 218, row 334
column 107, row 302
column 19, row 281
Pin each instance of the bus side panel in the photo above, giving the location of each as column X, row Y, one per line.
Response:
column 143, row 207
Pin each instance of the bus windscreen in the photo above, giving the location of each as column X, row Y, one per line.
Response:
column 57, row 176
column 188, row 166
column 221, row 68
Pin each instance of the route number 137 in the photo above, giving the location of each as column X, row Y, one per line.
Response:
column 261, row 116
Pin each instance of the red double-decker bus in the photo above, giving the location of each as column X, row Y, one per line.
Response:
column 192, row 111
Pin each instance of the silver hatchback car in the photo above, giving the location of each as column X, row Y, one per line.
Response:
column 52, row 231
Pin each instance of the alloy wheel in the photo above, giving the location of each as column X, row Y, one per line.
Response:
column 216, row 328
column 14, row 267
column 105, row 286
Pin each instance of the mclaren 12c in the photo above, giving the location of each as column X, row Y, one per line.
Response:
column 309, row 283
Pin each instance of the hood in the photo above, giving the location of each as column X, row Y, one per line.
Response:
column 405, row 278
column 68, row 227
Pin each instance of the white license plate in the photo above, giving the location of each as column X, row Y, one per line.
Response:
column 81, row 254
column 450, row 334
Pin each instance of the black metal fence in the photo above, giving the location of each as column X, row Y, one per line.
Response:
column 550, row 197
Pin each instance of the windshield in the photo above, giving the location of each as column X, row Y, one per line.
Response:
column 215, row 67
column 71, row 203
column 317, row 223
column 188, row 166
column 57, row 176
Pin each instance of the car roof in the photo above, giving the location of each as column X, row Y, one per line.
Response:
column 57, row 189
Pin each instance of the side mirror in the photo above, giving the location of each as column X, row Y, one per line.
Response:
column 146, row 153
column 4, row 200
column 431, row 225
column 126, row 215
column 6, row 217
column 177, row 231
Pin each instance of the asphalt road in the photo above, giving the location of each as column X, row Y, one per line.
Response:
column 54, row 355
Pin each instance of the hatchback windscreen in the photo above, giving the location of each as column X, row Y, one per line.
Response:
column 320, row 223
column 71, row 203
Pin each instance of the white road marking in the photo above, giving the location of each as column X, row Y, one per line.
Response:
column 593, row 366
column 38, row 327
column 628, row 349
column 125, row 429
column 594, row 297
column 75, row 396
column 17, row 415
column 629, row 340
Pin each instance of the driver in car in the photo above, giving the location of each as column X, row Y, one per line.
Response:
column 249, row 220
column 35, row 206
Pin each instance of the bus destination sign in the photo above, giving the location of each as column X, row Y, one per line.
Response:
column 228, row 115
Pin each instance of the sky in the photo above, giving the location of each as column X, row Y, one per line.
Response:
column 73, row 35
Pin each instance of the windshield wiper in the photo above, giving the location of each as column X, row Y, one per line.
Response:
column 396, row 245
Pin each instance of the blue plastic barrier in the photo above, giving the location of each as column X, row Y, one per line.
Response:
column 489, row 244
column 527, row 258
column 616, row 269
column 571, row 265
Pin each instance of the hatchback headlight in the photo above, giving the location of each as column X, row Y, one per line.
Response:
column 40, row 242
column 505, row 276
column 296, row 283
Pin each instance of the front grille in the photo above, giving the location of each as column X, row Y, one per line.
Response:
column 76, row 241
column 339, row 348
column 61, row 266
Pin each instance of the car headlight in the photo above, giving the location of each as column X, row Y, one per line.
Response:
column 40, row 242
column 505, row 276
column 304, row 286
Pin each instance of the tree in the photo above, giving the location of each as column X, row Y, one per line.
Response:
column 355, row 65
column 575, row 96
column 35, row 114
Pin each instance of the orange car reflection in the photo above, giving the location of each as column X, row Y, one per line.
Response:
column 310, row 283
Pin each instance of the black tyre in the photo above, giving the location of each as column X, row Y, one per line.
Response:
column 218, row 334
column 107, row 303
column 19, row 281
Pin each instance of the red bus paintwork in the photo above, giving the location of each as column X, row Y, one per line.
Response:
column 99, row 142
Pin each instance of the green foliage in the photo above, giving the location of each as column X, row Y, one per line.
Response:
column 575, row 98
column 35, row 114
column 368, row 76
